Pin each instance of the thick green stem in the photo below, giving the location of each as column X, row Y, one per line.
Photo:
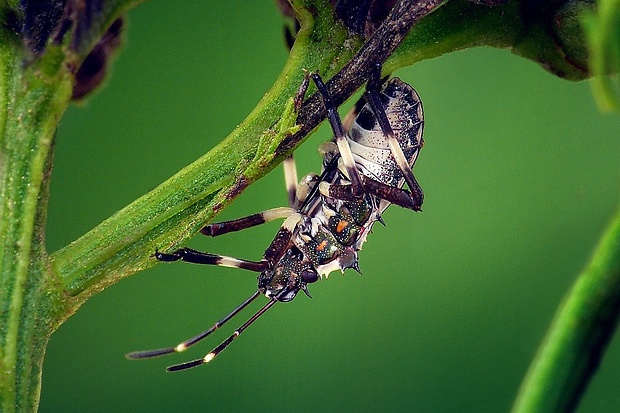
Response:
column 534, row 30
column 32, row 101
column 579, row 334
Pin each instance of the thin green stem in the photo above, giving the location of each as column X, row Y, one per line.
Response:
column 579, row 334
column 602, row 28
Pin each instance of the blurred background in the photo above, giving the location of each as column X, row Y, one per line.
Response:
column 520, row 172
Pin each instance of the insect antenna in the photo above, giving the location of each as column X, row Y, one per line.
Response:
column 217, row 350
column 136, row 355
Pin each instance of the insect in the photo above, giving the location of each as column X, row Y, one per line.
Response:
column 329, row 215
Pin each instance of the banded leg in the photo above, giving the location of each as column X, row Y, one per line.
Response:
column 343, row 147
column 282, row 239
column 337, row 191
column 396, row 196
column 198, row 257
column 290, row 171
column 373, row 99
column 290, row 180
column 253, row 220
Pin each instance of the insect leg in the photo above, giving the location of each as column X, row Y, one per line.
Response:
column 396, row 196
column 188, row 343
column 372, row 97
column 343, row 147
column 253, row 220
column 198, row 257
column 217, row 350
column 290, row 172
column 290, row 180
column 282, row 239
column 337, row 191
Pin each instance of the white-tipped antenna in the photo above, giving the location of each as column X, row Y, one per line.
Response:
column 213, row 353
column 136, row 355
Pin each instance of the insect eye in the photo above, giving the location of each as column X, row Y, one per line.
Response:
column 309, row 276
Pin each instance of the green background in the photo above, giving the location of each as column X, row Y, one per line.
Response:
column 520, row 172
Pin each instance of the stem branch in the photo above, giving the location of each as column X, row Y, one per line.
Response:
column 579, row 333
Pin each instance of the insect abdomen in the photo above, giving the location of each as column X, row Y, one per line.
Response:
column 369, row 144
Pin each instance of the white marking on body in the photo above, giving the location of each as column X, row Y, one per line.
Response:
column 291, row 221
column 181, row 347
column 324, row 188
column 327, row 212
column 325, row 269
column 303, row 189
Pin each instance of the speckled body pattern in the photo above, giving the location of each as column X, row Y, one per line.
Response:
column 327, row 233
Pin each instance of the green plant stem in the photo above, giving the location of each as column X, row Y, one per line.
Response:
column 33, row 100
column 578, row 335
column 537, row 32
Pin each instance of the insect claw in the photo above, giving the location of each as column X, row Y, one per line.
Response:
column 175, row 256
column 304, row 288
